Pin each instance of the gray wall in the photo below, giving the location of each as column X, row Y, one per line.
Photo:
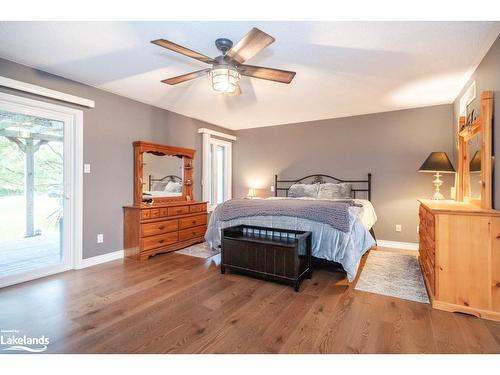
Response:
column 390, row 145
column 109, row 130
column 487, row 77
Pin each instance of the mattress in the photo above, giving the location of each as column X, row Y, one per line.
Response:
column 328, row 243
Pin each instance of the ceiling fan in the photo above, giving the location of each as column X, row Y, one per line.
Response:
column 228, row 68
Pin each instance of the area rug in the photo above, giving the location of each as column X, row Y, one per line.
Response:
column 393, row 274
column 200, row 250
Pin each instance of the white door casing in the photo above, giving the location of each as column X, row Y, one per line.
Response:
column 73, row 179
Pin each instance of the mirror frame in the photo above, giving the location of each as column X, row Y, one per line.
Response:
column 483, row 126
column 187, row 154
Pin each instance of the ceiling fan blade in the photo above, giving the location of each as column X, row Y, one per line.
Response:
column 186, row 77
column 277, row 75
column 183, row 51
column 251, row 44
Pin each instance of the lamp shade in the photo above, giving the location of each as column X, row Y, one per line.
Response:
column 475, row 163
column 224, row 78
column 251, row 193
column 437, row 162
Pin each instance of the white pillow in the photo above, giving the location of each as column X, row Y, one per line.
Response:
column 335, row 191
column 173, row 187
column 303, row 190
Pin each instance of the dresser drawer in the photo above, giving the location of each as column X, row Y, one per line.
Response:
column 422, row 213
column 430, row 225
column 145, row 214
column 198, row 208
column 153, row 242
column 178, row 210
column 160, row 227
column 187, row 234
column 150, row 214
column 192, row 221
column 422, row 224
column 428, row 273
column 422, row 245
column 431, row 248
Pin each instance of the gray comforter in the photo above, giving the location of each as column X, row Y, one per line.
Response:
column 335, row 214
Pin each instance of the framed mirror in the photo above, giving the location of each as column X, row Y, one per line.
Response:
column 162, row 174
column 474, row 159
column 475, row 163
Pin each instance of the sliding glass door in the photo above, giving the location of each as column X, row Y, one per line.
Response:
column 218, row 170
column 35, row 192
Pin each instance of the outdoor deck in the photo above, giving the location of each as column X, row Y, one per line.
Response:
column 28, row 253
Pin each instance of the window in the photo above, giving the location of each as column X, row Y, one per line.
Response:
column 216, row 179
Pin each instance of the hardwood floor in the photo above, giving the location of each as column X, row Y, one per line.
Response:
column 179, row 304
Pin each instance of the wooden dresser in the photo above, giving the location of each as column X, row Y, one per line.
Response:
column 161, row 229
column 460, row 257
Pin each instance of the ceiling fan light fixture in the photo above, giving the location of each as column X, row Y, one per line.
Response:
column 227, row 68
column 224, row 78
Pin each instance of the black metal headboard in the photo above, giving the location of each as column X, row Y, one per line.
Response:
column 357, row 185
column 170, row 177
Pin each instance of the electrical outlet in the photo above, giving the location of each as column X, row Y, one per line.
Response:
column 398, row 228
column 100, row 238
column 86, row 168
column 272, row 188
column 418, row 229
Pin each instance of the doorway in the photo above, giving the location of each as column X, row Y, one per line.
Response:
column 40, row 189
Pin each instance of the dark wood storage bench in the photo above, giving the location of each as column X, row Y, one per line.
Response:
column 276, row 254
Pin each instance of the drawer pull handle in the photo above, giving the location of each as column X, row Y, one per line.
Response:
column 161, row 227
column 498, row 284
column 193, row 233
column 498, row 237
column 193, row 222
column 179, row 211
column 161, row 241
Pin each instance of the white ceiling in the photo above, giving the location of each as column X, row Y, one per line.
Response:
column 343, row 68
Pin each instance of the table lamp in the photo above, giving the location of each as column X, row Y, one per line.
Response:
column 437, row 163
column 251, row 193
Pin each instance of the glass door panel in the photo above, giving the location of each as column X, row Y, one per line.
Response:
column 31, row 193
column 221, row 195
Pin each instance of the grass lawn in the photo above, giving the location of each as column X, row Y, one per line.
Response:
column 13, row 215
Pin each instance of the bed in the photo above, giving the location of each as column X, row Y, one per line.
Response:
column 168, row 186
column 332, row 245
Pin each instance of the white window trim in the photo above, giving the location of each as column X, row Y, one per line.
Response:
column 207, row 141
column 217, row 134
column 74, row 117
column 42, row 91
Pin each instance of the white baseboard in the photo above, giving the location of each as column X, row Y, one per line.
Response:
column 88, row 262
column 398, row 245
